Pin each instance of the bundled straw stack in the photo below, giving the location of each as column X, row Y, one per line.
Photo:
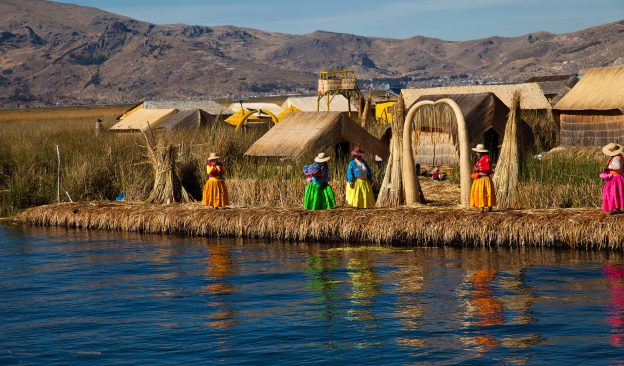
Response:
column 391, row 192
column 167, row 184
column 508, row 168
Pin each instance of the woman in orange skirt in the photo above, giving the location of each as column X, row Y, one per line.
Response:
column 215, row 191
column 482, row 194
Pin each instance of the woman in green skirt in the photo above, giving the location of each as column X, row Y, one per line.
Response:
column 318, row 193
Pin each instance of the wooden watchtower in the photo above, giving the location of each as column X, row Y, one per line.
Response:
column 334, row 82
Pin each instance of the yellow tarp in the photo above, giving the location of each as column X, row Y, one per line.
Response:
column 289, row 109
column 243, row 116
column 382, row 114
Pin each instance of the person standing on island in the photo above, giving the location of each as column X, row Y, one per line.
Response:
column 482, row 194
column 318, row 193
column 215, row 191
column 359, row 191
column 613, row 191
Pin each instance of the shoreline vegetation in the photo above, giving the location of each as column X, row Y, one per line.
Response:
column 99, row 168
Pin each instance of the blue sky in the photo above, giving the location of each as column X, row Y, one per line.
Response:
column 445, row 19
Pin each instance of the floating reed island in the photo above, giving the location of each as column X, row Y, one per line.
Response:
column 413, row 226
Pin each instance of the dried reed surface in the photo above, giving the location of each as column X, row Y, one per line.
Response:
column 576, row 228
column 510, row 159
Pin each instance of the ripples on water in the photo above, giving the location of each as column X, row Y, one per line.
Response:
column 80, row 297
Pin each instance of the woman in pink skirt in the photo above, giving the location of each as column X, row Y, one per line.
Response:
column 613, row 192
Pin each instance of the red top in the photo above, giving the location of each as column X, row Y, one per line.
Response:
column 483, row 165
column 215, row 170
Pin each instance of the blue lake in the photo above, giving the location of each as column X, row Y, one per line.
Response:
column 92, row 298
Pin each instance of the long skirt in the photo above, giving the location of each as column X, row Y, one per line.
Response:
column 215, row 193
column 361, row 195
column 318, row 198
column 613, row 193
column 482, row 193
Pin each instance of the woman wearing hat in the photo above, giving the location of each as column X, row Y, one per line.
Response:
column 215, row 192
column 482, row 194
column 613, row 191
column 318, row 193
column 359, row 190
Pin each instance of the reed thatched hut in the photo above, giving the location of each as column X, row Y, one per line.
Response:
column 592, row 113
column 535, row 109
column 531, row 95
column 308, row 133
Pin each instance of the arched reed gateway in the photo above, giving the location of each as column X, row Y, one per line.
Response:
column 442, row 120
column 441, row 130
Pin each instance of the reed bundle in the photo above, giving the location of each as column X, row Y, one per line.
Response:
column 508, row 169
column 391, row 191
column 576, row 228
column 167, row 184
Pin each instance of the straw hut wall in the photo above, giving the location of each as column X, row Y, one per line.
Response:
column 308, row 133
column 592, row 113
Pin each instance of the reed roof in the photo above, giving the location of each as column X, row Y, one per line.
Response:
column 532, row 96
column 140, row 119
column 304, row 133
column 600, row 89
column 308, row 104
column 555, row 86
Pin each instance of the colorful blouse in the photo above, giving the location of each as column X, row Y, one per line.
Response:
column 483, row 166
column 359, row 170
column 318, row 172
column 215, row 171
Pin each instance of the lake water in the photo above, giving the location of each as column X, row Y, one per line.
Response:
column 87, row 297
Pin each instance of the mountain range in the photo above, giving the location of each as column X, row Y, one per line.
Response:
column 55, row 53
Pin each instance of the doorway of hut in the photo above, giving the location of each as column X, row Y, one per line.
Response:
column 490, row 140
column 343, row 151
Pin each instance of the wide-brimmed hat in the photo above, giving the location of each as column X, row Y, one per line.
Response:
column 612, row 149
column 213, row 156
column 321, row 158
column 480, row 148
column 357, row 152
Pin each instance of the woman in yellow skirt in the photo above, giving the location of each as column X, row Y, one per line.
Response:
column 359, row 190
column 215, row 191
column 482, row 194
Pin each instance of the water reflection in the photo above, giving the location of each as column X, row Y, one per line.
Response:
column 276, row 302
column 483, row 309
column 321, row 280
column 219, row 266
column 615, row 278
column 410, row 282
column 364, row 286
